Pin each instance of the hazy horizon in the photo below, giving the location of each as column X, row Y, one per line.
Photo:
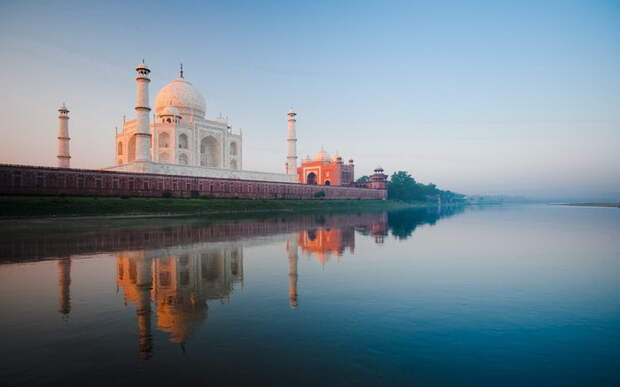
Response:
column 515, row 98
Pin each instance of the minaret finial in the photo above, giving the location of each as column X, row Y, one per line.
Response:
column 181, row 70
column 143, row 61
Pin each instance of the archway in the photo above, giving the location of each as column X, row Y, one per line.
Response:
column 183, row 159
column 120, row 148
column 311, row 178
column 209, row 152
column 183, row 141
column 233, row 164
column 164, row 140
column 132, row 149
column 233, row 148
column 327, row 182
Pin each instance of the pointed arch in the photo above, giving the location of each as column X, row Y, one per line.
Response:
column 311, row 178
column 183, row 141
column 210, row 153
column 164, row 140
column 131, row 151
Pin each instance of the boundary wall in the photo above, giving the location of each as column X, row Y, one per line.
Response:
column 33, row 180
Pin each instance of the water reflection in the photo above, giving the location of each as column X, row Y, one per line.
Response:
column 178, row 286
column 169, row 272
column 64, row 286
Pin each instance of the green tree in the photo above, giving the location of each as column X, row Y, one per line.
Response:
column 402, row 186
column 363, row 179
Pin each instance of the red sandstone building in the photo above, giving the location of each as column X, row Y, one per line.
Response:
column 323, row 170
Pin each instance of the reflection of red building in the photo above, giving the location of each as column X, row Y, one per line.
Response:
column 327, row 242
column 323, row 170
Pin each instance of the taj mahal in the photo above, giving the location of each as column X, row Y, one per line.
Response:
column 174, row 149
column 180, row 139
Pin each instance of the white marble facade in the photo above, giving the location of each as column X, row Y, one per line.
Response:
column 182, row 140
column 180, row 133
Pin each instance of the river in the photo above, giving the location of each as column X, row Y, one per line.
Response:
column 496, row 295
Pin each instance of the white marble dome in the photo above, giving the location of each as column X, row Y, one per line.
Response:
column 182, row 95
column 169, row 111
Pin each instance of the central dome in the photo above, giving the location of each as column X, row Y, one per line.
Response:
column 183, row 96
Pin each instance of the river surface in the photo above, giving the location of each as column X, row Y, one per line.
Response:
column 500, row 295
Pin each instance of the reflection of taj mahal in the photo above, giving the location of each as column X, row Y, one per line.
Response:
column 178, row 286
column 171, row 284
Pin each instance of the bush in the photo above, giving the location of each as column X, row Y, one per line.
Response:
column 167, row 194
column 319, row 194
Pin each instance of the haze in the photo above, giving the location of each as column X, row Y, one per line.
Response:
column 518, row 98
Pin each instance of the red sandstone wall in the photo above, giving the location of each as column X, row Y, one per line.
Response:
column 29, row 180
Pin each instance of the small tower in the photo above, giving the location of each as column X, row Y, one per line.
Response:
column 143, row 132
column 291, row 158
column 64, row 154
column 378, row 180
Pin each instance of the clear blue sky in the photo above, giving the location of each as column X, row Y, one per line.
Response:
column 516, row 97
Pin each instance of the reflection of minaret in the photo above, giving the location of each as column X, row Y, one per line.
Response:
column 134, row 275
column 291, row 248
column 144, row 283
column 64, row 286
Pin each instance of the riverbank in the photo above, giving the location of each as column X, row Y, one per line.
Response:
column 594, row 204
column 55, row 206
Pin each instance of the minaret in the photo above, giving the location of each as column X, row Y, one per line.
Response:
column 291, row 248
column 291, row 159
column 64, row 156
column 143, row 131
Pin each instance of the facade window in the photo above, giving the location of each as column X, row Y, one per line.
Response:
column 164, row 140
column 183, row 142
column 210, row 152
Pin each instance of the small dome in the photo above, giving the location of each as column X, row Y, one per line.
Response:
column 291, row 112
column 182, row 95
column 321, row 156
column 170, row 111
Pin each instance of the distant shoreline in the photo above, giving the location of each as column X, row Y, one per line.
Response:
column 593, row 204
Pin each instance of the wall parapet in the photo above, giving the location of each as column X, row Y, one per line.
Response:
column 40, row 180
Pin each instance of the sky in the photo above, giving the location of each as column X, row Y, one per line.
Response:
column 479, row 97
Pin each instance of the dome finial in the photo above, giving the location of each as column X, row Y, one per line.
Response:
column 181, row 70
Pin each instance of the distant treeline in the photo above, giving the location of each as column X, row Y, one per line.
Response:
column 402, row 186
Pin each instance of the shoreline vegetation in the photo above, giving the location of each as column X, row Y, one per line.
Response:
column 16, row 207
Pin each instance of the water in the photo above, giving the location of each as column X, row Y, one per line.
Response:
column 485, row 296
